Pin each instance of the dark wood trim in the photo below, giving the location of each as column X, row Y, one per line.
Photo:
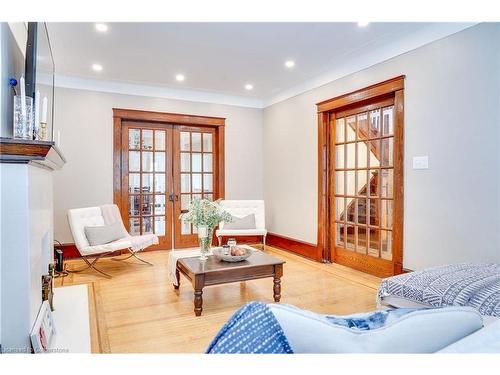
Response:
column 392, row 88
column 69, row 250
column 173, row 118
column 299, row 247
column 362, row 95
column 22, row 151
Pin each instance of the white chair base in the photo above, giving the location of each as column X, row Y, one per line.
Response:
column 91, row 264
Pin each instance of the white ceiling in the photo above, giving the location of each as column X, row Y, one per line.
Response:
column 218, row 59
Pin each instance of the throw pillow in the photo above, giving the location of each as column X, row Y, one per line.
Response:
column 103, row 234
column 246, row 222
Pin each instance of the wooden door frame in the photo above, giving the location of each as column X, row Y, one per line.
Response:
column 326, row 109
column 121, row 115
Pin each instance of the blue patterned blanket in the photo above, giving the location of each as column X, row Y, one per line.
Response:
column 464, row 284
column 252, row 329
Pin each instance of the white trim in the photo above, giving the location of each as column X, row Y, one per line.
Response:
column 357, row 63
column 152, row 91
column 351, row 64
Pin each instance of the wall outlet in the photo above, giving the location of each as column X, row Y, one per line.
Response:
column 420, row 162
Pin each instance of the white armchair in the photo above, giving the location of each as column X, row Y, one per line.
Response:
column 239, row 209
column 101, row 216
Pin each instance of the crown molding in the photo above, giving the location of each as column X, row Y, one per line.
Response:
column 126, row 88
column 353, row 64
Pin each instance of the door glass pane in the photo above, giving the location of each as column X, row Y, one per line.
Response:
column 339, row 234
column 386, row 214
column 388, row 118
column 351, row 128
column 147, row 205
column 147, row 225
column 339, row 156
column 340, row 130
column 147, row 182
column 351, row 155
column 374, row 157
column 374, row 242
column 350, row 237
column 159, row 205
column 373, row 181
column 196, row 141
column 134, row 183
column 362, row 182
column 386, row 184
column 147, row 139
column 147, row 161
column 196, row 162
column 374, row 214
column 159, row 183
column 207, row 142
column 185, row 183
column 339, row 183
column 185, row 162
column 351, row 183
column 339, row 209
column 159, row 140
column 160, row 225
column 208, row 182
column 134, row 161
column 185, row 141
column 196, row 180
column 386, row 244
column 361, row 239
column 387, row 151
column 351, row 210
column 159, row 161
column 135, row 226
column 134, row 203
column 196, row 196
column 134, row 139
column 185, row 228
column 362, row 126
column 207, row 162
column 210, row 197
column 375, row 123
column 362, row 154
column 361, row 203
column 185, row 199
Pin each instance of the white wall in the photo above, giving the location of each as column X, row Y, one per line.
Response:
column 451, row 115
column 84, row 119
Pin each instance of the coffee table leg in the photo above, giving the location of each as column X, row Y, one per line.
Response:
column 199, row 283
column 278, row 272
column 178, row 278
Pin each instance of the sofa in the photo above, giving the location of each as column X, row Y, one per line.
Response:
column 278, row 328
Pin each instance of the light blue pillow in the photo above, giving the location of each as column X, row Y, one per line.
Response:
column 389, row 331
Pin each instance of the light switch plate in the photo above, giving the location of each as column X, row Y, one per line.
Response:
column 420, row 162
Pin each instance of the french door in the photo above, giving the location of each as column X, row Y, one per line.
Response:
column 365, row 184
column 162, row 167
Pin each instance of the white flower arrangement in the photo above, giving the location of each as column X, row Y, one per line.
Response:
column 202, row 212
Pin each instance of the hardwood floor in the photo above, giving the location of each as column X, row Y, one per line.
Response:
column 139, row 311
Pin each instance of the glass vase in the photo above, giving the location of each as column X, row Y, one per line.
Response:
column 205, row 239
column 23, row 122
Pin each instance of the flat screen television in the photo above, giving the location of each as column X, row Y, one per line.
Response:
column 40, row 71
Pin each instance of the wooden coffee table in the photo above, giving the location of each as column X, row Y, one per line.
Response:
column 213, row 272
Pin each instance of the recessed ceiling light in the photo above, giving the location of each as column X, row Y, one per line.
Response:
column 101, row 27
column 248, row 86
column 363, row 24
column 289, row 63
column 180, row 77
column 97, row 67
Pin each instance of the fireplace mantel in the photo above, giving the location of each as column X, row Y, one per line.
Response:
column 40, row 153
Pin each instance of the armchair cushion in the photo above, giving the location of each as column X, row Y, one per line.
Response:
column 103, row 234
column 246, row 222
